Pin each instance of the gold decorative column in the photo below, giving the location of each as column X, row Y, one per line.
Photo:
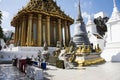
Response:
column 69, row 37
column 19, row 41
column 48, row 31
column 15, row 38
column 66, row 33
column 60, row 30
column 39, row 30
column 27, row 42
column 55, row 32
column 29, row 34
column 22, row 31
column 17, row 32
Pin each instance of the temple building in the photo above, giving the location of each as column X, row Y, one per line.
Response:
column 41, row 21
column 94, row 37
column 112, row 49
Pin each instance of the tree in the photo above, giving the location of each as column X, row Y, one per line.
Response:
column 100, row 24
column 0, row 17
column 1, row 31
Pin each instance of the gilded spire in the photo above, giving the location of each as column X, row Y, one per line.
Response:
column 79, row 18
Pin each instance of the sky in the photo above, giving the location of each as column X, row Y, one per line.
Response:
column 10, row 8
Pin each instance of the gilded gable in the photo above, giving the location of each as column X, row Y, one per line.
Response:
column 47, row 7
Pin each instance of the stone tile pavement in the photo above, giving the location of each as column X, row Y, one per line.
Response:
column 9, row 72
column 107, row 71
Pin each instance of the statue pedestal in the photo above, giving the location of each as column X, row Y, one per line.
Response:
column 111, row 52
column 89, row 59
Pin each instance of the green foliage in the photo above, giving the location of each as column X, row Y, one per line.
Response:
column 0, row 17
column 1, row 31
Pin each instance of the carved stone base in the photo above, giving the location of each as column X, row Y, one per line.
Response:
column 89, row 60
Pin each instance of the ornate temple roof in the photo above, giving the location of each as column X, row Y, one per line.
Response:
column 115, row 14
column 47, row 7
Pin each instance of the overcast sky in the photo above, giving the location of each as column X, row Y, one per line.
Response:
column 10, row 8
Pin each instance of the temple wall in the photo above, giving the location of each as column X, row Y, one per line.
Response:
column 22, row 52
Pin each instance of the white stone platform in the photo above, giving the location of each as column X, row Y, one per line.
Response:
column 111, row 52
column 22, row 52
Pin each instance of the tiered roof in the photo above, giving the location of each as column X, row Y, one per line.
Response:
column 47, row 7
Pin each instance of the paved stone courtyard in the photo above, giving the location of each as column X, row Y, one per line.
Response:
column 8, row 72
column 107, row 71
